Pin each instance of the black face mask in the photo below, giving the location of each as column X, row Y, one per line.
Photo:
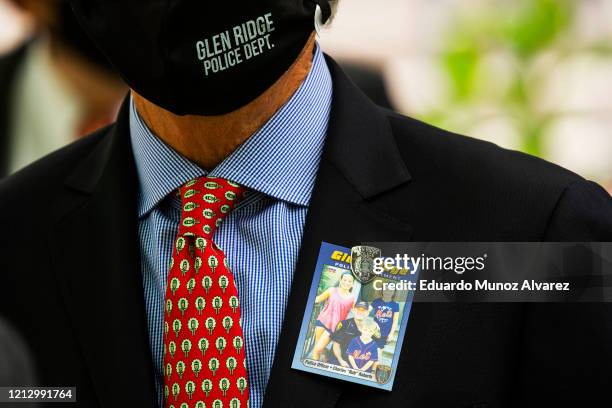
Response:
column 200, row 57
column 68, row 30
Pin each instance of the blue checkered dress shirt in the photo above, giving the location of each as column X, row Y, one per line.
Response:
column 260, row 238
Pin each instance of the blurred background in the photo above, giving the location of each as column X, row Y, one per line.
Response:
column 530, row 75
column 54, row 84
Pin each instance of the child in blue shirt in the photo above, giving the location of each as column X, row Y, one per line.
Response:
column 385, row 312
column 362, row 351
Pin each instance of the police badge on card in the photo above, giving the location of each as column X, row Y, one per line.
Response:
column 355, row 319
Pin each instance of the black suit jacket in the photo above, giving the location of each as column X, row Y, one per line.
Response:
column 9, row 64
column 71, row 281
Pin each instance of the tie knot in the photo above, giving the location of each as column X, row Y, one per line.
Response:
column 205, row 202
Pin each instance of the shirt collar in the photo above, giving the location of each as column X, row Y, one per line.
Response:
column 280, row 160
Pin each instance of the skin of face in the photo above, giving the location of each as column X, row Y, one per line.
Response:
column 360, row 313
column 346, row 282
column 367, row 332
column 388, row 294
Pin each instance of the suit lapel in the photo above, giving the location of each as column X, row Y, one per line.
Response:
column 359, row 164
column 95, row 247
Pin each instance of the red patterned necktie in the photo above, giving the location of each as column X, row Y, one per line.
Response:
column 204, row 352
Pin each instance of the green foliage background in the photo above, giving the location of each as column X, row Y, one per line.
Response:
column 522, row 30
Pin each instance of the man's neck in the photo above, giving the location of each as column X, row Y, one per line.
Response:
column 207, row 140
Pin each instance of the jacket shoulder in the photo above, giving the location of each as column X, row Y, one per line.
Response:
column 472, row 186
column 475, row 161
